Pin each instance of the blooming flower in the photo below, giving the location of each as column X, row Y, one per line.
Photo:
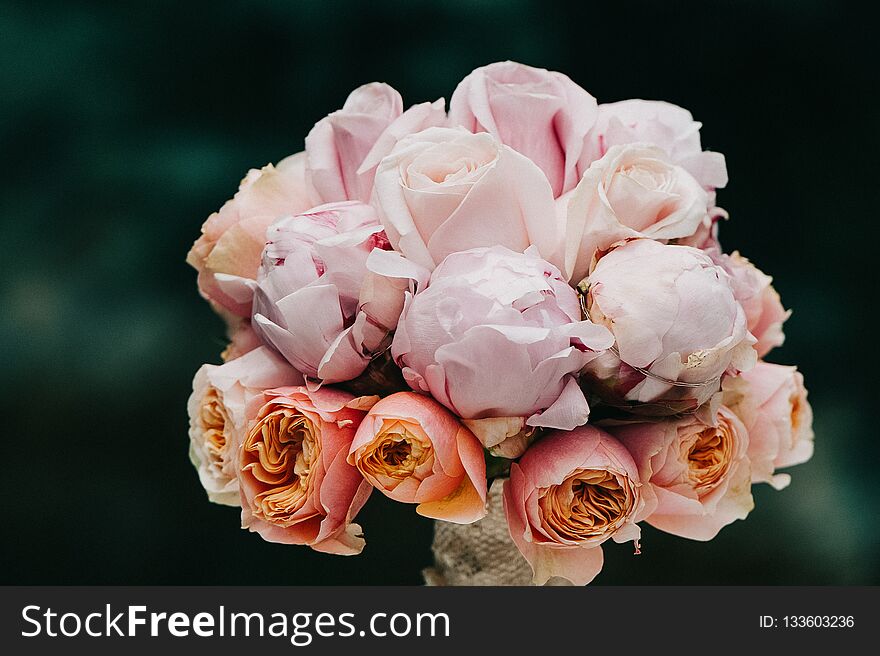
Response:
column 663, row 124
column 218, row 415
column 696, row 474
column 344, row 148
column 414, row 450
column 754, row 290
column 499, row 334
column 232, row 239
column 316, row 300
column 569, row 493
column 633, row 191
column 444, row 190
column 296, row 486
column 772, row 403
column 541, row 114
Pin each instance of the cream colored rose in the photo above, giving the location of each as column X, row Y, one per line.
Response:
column 217, row 415
column 633, row 191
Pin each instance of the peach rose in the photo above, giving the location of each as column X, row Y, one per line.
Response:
column 697, row 477
column 218, row 415
column 414, row 450
column 296, row 486
column 633, row 191
column 232, row 238
column 570, row 492
column 772, row 403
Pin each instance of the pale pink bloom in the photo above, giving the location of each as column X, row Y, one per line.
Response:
column 344, row 148
column 233, row 238
column 677, row 327
column 499, row 334
column 413, row 450
column 317, row 301
column 296, row 486
column 445, row 190
column 633, row 191
column 696, row 474
column 772, row 403
column 218, row 410
column 754, row 290
column 663, row 124
column 541, row 114
column 569, row 493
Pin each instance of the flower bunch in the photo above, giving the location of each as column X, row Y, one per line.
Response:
column 529, row 288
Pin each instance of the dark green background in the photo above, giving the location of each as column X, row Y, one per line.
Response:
column 125, row 124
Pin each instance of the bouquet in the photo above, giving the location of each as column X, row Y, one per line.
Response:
column 518, row 308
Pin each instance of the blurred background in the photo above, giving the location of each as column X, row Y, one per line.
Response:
column 124, row 125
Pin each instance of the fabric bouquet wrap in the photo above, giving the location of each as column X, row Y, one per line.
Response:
column 515, row 315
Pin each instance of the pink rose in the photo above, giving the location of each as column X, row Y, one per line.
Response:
column 414, row 450
column 668, row 126
column 344, row 148
column 676, row 323
column 754, row 290
column 569, row 493
column 541, row 114
column 218, row 410
column 296, row 486
column 696, row 474
column 633, row 191
column 317, row 302
column 499, row 334
column 772, row 403
column 233, row 238
column 445, row 190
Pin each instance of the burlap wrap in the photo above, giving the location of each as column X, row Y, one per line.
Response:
column 481, row 553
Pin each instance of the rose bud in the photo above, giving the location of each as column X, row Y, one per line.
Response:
column 365, row 129
column 663, row 124
column 761, row 302
column 676, row 323
column 218, row 415
column 696, row 474
column 296, row 486
column 633, row 191
column 569, row 493
column 413, row 450
column 541, row 114
column 499, row 334
column 772, row 403
column 232, row 239
column 445, row 190
column 316, row 300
